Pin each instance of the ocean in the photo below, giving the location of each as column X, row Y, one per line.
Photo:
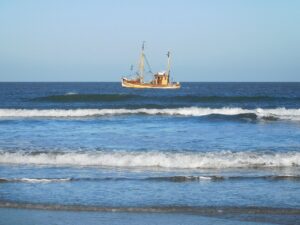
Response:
column 96, row 153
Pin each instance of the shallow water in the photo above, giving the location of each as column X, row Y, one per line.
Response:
column 205, row 146
column 29, row 217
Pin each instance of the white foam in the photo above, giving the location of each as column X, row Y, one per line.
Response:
column 71, row 93
column 204, row 178
column 43, row 180
column 280, row 113
column 35, row 180
column 224, row 159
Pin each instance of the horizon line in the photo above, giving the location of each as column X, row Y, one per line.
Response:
column 120, row 81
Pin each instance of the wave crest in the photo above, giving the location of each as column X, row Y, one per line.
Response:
column 75, row 97
column 277, row 113
column 214, row 160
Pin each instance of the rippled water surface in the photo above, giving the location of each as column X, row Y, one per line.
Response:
column 223, row 152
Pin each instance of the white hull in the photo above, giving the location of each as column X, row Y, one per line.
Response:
column 127, row 84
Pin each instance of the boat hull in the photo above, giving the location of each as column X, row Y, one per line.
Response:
column 129, row 84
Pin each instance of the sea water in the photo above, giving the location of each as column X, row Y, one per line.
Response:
column 209, row 153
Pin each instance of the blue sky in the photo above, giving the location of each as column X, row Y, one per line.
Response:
column 213, row 40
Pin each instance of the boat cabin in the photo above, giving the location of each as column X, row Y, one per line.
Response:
column 161, row 78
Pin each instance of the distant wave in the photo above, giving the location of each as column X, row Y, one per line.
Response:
column 176, row 179
column 214, row 160
column 75, row 97
column 201, row 210
column 34, row 180
column 268, row 114
column 224, row 178
column 71, row 93
column 233, row 99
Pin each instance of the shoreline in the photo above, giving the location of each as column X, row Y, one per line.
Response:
column 21, row 216
column 199, row 210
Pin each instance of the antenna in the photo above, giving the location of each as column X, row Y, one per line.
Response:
column 168, row 66
column 169, row 63
column 141, row 64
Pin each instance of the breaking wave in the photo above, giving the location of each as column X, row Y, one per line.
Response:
column 276, row 113
column 214, row 160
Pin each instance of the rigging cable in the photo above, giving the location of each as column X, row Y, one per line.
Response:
column 148, row 64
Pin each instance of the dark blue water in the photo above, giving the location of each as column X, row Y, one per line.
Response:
column 232, row 147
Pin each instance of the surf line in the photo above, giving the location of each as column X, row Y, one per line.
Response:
column 200, row 210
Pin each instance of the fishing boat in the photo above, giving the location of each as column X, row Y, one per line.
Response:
column 160, row 80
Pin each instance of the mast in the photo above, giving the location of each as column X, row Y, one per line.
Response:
column 142, row 63
column 168, row 66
